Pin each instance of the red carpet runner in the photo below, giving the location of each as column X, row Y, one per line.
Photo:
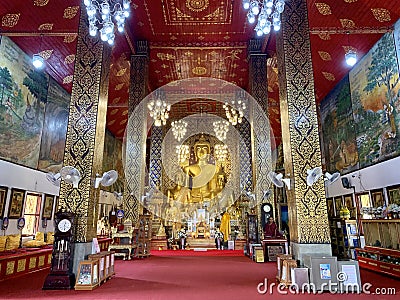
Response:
column 185, row 277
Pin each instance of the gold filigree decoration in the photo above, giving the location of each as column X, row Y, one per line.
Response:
column 32, row 262
column 173, row 38
column 70, row 38
column 41, row 261
column 201, row 38
column 46, row 26
column 21, row 265
column 197, row 5
column 214, row 15
column 199, row 70
column 349, row 48
column 350, row 1
column 324, row 36
column 46, row 54
column 123, row 122
column 166, row 56
column 10, row 267
column 381, row 14
column 49, row 259
column 125, row 112
column 121, row 72
column 69, row 59
column 323, row 8
column 347, row 23
column 329, row 76
column 227, row 37
column 114, row 111
column 68, row 79
column 119, row 86
column 111, row 123
column 120, row 131
column 70, row 12
column 324, row 55
column 10, row 20
column 40, row 2
column 180, row 14
column 115, row 100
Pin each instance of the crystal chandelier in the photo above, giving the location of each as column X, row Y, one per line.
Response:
column 221, row 152
column 268, row 12
column 106, row 13
column 183, row 152
column 179, row 129
column 221, row 129
column 159, row 109
column 235, row 111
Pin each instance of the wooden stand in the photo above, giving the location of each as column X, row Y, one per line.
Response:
column 279, row 261
column 286, row 274
column 144, row 236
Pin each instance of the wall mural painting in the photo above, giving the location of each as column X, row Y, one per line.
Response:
column 375, row 87
column 338, row 130
column 23, row 94
column 54, row 129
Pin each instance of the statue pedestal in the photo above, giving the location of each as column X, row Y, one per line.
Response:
column 158, row 243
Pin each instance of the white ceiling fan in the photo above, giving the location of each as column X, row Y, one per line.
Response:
column 54, row 178
column 70, row 175
column 313, row 175
column 331, row 178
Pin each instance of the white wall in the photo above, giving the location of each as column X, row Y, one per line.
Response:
column 15, row 176
column 377, row 176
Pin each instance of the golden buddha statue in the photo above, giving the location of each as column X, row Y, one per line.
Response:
column 206, row 180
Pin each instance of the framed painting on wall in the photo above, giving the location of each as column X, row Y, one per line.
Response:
column 377, row 198
column 47, row 209
column 394, row 194
column 16, row 203
column 348, row 202
column 3, row 198
column 338, row 205
column 329, row 206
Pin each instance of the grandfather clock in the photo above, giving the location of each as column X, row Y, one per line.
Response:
column 61, row 276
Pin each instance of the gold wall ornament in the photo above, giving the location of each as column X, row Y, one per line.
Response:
column 69, row 38
column 381, row 14
column 329, row 76
column 116, row 100
column 46, row 26
column 40, row 2
column 119, row 86
column 41, row 260
column 307, row 205
column 121, row 72
column 121, row 131
column 199, row 71
column 324, row 55
column 10, row 20
column 110, row 123
column 125, row 112
column 69, row 59
column 324, row 36
column 70, row 12
column 123, row 122
column 197, row 5
column 114, row 111
column 323, row 8
column 347, row 23
column 46, row 53
column 350, row 1
column 68, row 79
column 165, row 56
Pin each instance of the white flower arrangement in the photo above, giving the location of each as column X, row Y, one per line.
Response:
column 393, row 208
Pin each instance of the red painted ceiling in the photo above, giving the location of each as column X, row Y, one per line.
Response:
column 191, row 38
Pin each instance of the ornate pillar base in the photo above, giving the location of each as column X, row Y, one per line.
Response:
column 299, row 250
column 81, row 252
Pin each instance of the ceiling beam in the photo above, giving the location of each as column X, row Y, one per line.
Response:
column 359, row 30
column 36, row 33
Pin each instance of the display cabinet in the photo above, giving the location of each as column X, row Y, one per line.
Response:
column 144, row 236
column 380, row 259
column 344, row 237
column 382, row 233
column 88, row 275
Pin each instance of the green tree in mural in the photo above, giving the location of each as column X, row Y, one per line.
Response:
column 6, row 84
column 382, row 72
column 36, row 82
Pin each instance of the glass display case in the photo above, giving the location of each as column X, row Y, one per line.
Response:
column 380, row 259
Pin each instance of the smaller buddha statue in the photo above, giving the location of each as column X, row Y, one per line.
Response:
column 161, row 232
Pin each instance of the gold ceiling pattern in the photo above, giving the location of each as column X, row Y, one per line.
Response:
column 323, row 8
column 347, row 23
column 10, row 20
column 40, row 2
column 329, row 76
column 68, row 79
column 45, row 54
column 324, row 55
column 70, row 12
column 381, row 14
column 46, row 26
column 69, row 59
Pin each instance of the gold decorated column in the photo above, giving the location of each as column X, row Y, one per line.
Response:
column 135, row 145
column 85, row 135
column 308, row 219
